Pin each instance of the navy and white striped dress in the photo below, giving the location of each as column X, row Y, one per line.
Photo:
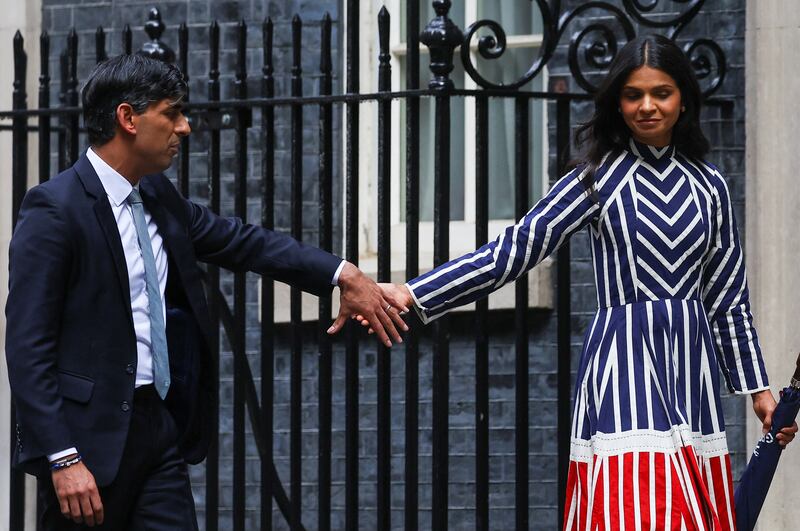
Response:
column 648, row 446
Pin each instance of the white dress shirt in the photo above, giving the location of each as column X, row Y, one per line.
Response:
column 118, row 189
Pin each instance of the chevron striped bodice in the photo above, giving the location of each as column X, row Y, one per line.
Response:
column 656, row 223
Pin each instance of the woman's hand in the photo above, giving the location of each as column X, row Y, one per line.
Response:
column 395, row 292
column 764, row 404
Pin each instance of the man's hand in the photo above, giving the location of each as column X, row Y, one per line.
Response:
column 398, row 292
column 764, row 404
column 361, row 296
column 78, row 495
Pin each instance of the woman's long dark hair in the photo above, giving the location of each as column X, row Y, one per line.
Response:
column 607, row 132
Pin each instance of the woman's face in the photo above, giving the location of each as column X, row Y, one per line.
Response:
column 650, row 103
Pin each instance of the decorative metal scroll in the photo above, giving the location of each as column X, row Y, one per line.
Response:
column 591, row 46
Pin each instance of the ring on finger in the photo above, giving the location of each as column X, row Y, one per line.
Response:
column 388, row 307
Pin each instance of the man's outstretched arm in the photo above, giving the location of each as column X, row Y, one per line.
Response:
column 229, row 243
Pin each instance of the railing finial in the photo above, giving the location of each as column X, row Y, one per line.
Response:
column 442, row 37
column 154, row 27
column 20, row 64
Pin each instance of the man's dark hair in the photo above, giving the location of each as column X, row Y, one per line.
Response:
column 134, row 79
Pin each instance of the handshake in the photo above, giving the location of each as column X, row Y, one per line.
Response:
column 377, row 306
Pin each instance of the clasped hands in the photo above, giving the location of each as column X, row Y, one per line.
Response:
column 393, row 292
column 378, row 306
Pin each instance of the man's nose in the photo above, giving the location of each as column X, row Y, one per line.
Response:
column 183, row 128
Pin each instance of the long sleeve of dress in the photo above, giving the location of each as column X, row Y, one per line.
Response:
column 727, row 301
column 564, row 210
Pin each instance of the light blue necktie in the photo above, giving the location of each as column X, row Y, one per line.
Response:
column 158, row 336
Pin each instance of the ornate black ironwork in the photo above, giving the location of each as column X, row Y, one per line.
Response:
column 595, row 45
column 154, row 28
column 442, row 37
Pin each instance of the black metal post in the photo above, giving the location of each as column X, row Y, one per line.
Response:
column 441, row 331
column 481, row 315
column 214, row 202
column 62, row 119
column 412, row 267
column 441, row 36
column 183, row 64
column 72, row 97
column 19, row 156
column 351, row 253
column 44, row 103
column 296, row 413
column 563, row 310
column 522, row 157
column 239, row 291
column 326, row 243
column 384, row 271
column 267, row 285
column 19, row 184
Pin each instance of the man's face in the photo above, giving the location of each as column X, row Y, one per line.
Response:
column 159, row 130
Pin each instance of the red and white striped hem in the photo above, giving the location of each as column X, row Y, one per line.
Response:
column 650, row 491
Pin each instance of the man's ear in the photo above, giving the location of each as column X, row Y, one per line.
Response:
column 125, row 118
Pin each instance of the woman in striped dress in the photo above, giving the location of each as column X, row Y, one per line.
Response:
column 648, row 445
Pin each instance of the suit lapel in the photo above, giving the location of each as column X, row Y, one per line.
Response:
column 105, row 218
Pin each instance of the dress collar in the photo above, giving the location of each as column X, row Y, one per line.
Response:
column 650, row 153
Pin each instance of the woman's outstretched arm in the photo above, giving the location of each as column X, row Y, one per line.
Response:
column 566, row 208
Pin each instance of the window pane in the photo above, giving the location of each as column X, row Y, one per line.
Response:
column 503, row 134
column 427, row 119
column 502, row 166
column 515, row 16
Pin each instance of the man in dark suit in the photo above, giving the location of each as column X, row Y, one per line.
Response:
column 107, row 318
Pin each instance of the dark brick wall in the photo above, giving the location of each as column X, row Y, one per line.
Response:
column 722, row 20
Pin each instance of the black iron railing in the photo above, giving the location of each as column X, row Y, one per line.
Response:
column 591, row 48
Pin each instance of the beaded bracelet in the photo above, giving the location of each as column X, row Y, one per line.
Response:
column 58, row 465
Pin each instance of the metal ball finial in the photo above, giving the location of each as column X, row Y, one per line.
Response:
column 154, row 27
column 155, row 48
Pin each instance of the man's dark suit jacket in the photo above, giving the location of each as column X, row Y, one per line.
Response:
column 70, row 342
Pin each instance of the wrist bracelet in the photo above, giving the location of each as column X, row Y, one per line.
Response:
column 58, row 465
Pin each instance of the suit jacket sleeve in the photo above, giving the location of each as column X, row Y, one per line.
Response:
column 39, row 258
column 229, row 243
